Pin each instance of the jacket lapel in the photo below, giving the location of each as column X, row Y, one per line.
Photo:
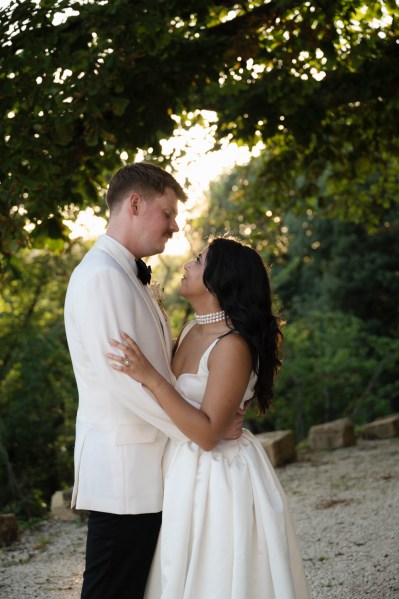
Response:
column 106, row 245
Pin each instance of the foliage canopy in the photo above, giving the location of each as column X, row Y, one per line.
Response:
column 81, row 82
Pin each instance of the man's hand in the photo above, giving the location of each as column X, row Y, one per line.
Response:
column 234, row 430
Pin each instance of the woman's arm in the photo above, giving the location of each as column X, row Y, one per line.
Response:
column 229, row 367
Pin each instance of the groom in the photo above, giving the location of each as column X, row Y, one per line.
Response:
column 121, row 431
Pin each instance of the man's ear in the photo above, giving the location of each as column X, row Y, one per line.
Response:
column 134, row 202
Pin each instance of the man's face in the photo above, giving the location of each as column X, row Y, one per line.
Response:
column 156, row 222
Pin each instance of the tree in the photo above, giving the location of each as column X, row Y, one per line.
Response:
column 316, row 262
column 332, row 368
column 37, row 390
column 316, row 81
column 74, row 95
column 336, row 286
column 338, row 266
column 313, row 86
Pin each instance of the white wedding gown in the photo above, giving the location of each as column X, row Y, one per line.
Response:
column 226, row 528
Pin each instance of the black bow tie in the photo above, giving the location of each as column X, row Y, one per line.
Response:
column 143, row 271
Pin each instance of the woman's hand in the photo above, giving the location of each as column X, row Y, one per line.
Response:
column 134, row 363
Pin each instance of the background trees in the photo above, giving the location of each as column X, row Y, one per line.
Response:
column 37, row 386
column 335, row 285
column 81, row 82
column 313, row 85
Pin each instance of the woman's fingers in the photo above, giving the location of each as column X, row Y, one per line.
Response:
column 120, row 359
column 132, row 361
column 130, row 344
column 118, row 344
column 122, row 362
column 125, row 348
column 129, row 340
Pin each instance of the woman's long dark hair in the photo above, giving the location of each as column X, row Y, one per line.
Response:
column 237, row 276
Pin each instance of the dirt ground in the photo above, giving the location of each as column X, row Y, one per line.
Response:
column 345, row 505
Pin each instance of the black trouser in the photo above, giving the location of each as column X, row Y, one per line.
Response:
column 119, row 552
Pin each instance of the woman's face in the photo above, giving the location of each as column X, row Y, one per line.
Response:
column 192, row 282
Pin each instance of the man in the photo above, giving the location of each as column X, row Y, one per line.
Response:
column 121, row 431
column 117, row 453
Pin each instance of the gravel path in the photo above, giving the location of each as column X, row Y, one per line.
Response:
column 345, row 505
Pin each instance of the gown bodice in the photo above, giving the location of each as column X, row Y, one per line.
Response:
column 192, row 386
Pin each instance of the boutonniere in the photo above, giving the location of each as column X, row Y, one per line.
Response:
column 158, row 295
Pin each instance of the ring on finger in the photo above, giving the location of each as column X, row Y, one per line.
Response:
column 127, row 362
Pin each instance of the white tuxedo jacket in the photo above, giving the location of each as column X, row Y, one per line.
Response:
column 121, row 430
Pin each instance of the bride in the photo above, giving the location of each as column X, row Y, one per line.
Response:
column 226, row 528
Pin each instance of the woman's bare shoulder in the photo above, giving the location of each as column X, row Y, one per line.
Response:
column 232, row 347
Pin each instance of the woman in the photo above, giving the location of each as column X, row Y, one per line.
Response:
column 226, row 529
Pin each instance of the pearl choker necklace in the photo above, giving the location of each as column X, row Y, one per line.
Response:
column 210, row 318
